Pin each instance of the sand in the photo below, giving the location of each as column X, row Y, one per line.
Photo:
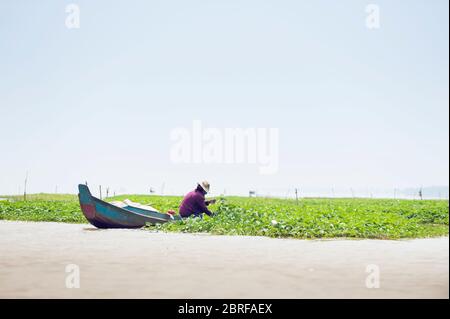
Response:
column 144, row 264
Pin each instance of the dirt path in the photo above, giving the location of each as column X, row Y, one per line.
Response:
column 138, row 263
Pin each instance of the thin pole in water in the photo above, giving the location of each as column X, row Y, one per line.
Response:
column 25, row 188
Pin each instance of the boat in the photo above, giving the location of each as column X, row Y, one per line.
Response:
column 102, row 214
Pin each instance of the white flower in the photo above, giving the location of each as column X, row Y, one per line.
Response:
column 274, row 222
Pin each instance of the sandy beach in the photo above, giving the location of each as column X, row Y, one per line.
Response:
column 144, row 264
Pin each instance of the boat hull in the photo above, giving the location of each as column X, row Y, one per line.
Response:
column 102, row 214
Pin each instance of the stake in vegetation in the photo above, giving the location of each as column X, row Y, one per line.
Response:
column 255, row 216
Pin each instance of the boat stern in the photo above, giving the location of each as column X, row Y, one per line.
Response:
column 86, row 203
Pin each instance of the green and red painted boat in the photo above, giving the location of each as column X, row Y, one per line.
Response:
column 102, row 214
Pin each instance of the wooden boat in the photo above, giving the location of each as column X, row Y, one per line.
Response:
column 105, row 215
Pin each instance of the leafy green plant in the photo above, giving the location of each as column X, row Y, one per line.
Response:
column 322, row 218
column 310, row 218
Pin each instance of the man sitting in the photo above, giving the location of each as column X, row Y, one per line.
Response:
column 194, row 202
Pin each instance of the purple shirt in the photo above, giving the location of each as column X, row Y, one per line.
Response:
column 194, row 203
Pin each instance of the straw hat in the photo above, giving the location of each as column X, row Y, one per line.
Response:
column 204, row 185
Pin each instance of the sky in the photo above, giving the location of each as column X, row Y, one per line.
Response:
column 355, row 108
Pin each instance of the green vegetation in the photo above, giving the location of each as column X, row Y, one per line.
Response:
column 322, row 218
column 42, row 197
column 309, row 218
column 42, row 207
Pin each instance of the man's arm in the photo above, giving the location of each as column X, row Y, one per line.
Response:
column 201, row 204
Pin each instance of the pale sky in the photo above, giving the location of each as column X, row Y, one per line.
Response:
column 355, row 107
